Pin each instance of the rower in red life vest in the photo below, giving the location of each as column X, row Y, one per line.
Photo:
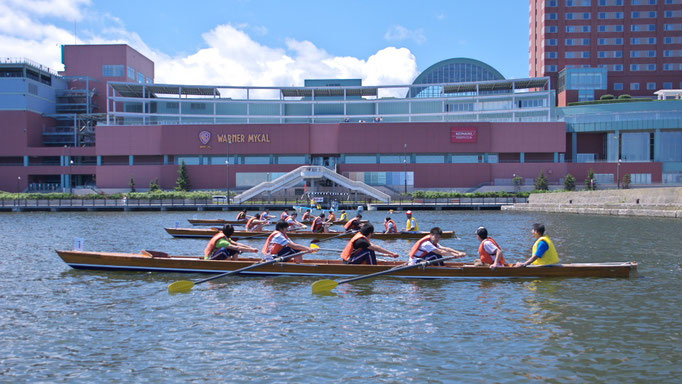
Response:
column 354, row 223
column 222, row 247
column 427, row 248
column 306, row 215
column 293, row 224
column 319, row 224
column 241, row 215
column 543, row 252
column 255, row 223
column 390, row 226
column 489, row 251
column 278, row 244
column 360, row 250
column 332, row 217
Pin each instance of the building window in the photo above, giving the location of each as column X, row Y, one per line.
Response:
column 552, row 42
column 552, row 68
column 651, row 86
column 140, row 78
column 429, row 159
column 552, row 3
column 551, row 29
column 360, row 159
column 551, row 55
column 651, row 67
column 617, row 86
column 131, row 73
column 634, row 86
column 634, row 67
column 551, row 16
column 667, row 85
column 113, row 71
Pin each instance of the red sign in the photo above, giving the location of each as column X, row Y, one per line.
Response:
column 463, row 135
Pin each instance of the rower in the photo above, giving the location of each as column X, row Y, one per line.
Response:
column 306, row 216
column 284, row 215
column 390, row 226
column 344, row 216
column 353, row 224
column 255, row 223
column 241, row 216
column 427, row 248
column 266, row 215
column 411, row 225
column 544, row 252
column 293, row 224
column 319, row 224
column 489, row 249
column 222, row 247
column 332, row 217
column 278, row 244
column 360, row 250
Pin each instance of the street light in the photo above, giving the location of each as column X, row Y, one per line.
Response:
column 70, row 176
column 18, row 182
column 405, row 165
column 618, row 172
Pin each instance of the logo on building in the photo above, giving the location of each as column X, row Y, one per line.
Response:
column 463, row 135
column 204, row 137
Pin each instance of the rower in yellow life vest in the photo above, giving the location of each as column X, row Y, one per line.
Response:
column 360, row 250
column 390, row 226
column 354, row 224
column 543, row 252
column 427, row 248
column 411, row 225
column 222, row 247
column 344, row 216
column 489, row 251
column 278, row 244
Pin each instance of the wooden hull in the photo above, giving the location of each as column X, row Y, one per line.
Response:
column 195, row 264
column 221, row 222
column 198, row 233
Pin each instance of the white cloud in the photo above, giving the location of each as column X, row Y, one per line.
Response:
column 230, row 57
column 400, row 33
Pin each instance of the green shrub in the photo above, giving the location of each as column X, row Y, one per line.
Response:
column 541, row 183
column 569, row 182
column 606, row 97
column 624, row 96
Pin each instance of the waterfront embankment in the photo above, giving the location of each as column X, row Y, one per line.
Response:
column 655, row 202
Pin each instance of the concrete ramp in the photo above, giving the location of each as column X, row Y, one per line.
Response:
column 310, row 172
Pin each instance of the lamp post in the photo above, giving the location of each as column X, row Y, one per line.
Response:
column 70, row 176
column 405, row 165
column 618, row 172
column 18, row 183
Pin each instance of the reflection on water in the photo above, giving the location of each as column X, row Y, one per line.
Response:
column 63, row 325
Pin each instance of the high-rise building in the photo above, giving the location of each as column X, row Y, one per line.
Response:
column 594, row 47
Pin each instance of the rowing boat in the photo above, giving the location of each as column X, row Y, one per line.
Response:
column 199, row 233
column 198, row 222
column 161, row 262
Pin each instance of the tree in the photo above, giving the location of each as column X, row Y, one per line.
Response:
column 154, row 185
column 132, row 184
column 518, row 182
column 627, row 179
column 182, row 184
column 541, row 183
column 569, row 182
column 590, row 182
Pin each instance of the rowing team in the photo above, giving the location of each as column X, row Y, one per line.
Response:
column 320, row 223
column 360, row 250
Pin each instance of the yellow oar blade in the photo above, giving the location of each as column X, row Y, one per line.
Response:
column 321, row 286
column 182, row 286
column 314, row 246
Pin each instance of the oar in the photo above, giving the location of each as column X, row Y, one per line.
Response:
column 315, row 241
column 183, row 286
column 327, row 285
column 317, row 247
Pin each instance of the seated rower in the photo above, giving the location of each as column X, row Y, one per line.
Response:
column 544, row 252
column 360, row 250
column 332, row 217
column 241, row 216
column 222, row 247
column 278, row 244
column 427, row 248
column 319, row 224
column 266, row 215
column 411, row 225
column 353, row 224
column 255, row 223
column 284, row 215
column 306, row 216
column 390, row 225
column 489, row 251
column 293, row 224
column 344, row 216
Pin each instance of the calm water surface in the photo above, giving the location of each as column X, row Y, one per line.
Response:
column 62, row 325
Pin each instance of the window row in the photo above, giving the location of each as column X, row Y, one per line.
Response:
column 607, row 3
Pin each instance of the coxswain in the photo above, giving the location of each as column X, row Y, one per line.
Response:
column 344, row 216
column 222, row 247
column 427, row 248
column 543, row 252
column 241, row 216
column 306, row 215
column 278, row 244
column 411, row 225
column 489, row 251
column 360, row 250
column 255, row 223
column 353, row 224
column 390, row 225
column 319, row 224
column 293, row 224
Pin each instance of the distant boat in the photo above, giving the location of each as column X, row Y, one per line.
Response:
column 209, row 232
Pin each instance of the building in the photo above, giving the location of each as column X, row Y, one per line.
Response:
column 594, row 47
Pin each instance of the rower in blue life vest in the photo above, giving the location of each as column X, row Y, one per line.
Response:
column 222, row 247
column 411, row 225
column 543, row 252
column 278, row 244
column 427, row 248
column 360, row 250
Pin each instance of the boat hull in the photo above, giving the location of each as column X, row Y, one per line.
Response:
column 195, row 264
column 209, row 222
column 207, row 233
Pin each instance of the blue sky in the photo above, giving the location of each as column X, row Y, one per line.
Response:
column 289, row 38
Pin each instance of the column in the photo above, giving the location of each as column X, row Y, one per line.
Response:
column 574, row 147
column 26, row 161
column 165, row 159
column 99, row 160
column 556, row 157
column 657, row 145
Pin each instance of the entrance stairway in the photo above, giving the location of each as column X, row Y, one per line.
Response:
column 310, row 172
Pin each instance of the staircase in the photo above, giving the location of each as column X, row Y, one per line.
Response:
column 310, row 172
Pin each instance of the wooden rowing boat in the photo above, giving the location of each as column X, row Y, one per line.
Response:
column 161, row 262
column 199, row 233
column 210, row 222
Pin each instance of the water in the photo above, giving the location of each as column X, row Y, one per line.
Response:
column 62, row 325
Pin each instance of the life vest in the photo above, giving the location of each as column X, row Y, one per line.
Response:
column 394, row 229
column 241, row 216
column 332, row 217
column 348, row 251
column 249, row 224
column 412, row 224
column 353, row 223
column 418, row 244
column 317, row 224
column 344, row 216
column 488, row 258
column 551, row 256
column 284, row 216
column 306, row 216
column 267, row 250
column 208, row 251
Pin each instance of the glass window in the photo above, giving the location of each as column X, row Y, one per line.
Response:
column 634, row 86
column 671, row 145
column 635, row 146
column 393, row 159
column 466, row 158
column 667, row 85
column 430, row 159
column 189, row 160
column 360, row 159
column 140, row 78
column 113, row 70
column 493, row 158
column 256, row 159
column 291, row 160
column 131, row 73
column 651, row 86
column 617, row 86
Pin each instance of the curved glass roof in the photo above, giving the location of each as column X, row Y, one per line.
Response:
column 456, row 70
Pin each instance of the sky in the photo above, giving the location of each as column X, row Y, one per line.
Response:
column 276, row 43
